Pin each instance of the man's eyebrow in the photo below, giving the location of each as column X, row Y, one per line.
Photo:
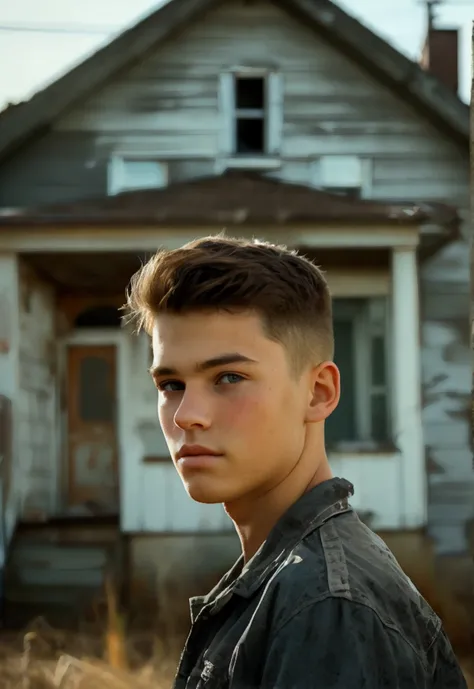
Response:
column 222, row 360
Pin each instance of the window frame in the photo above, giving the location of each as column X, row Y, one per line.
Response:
column 272, row 115
column 360, row 310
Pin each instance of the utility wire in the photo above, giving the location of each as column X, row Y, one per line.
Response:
column 58, row 28
column 87, row 29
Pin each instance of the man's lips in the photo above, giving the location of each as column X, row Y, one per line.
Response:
column 197, row 457
column 196, row 451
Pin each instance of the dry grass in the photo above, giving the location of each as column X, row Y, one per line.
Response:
column 101, row 656
column 45, row 658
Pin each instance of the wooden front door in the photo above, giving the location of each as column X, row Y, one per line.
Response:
column 92, row 428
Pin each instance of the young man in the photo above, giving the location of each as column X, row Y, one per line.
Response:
column 243, row 362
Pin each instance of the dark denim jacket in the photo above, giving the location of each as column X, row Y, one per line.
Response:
column 322, row 605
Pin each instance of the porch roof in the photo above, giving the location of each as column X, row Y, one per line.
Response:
column 234, row 198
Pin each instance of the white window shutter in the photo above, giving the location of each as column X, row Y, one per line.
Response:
column 227, row 114
column 275, row 113
column 128, row 174
column 144, row 174
column 342, row 171
column 115, row 175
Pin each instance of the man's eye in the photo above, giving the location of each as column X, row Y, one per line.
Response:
column 170, row 386
column 230, row 378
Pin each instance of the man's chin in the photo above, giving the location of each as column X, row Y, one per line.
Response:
column 206, row 493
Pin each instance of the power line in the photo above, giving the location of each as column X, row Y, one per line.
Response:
column 87, row 29
column 59, row 29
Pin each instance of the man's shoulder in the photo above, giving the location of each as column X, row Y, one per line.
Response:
column 344, row 559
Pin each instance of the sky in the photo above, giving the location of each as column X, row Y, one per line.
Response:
column 42, row 39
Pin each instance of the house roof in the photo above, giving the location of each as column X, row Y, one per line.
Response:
column 232, row 199
column 424, row 91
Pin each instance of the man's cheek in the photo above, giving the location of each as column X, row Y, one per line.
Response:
column 245, row 411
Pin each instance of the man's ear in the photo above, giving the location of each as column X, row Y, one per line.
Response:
column 324, row 392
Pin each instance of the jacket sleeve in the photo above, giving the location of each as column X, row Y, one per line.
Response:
column 339, row 644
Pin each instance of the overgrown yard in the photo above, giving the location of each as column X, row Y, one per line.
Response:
column 43, row 658
column 106, row 656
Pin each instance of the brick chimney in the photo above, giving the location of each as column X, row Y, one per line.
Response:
column 440, row 56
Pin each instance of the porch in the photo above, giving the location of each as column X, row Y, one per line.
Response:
column 87, row 444
column 87, row 435
column 97, row 490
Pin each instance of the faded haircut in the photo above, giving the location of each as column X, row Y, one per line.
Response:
column 218, row 273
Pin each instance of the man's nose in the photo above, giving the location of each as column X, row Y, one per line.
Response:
column 194, row 411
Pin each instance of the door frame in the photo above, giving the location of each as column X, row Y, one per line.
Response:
column 83, row 338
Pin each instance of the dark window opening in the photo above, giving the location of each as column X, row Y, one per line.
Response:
column 250, row 136
column 250, row 115
column 250, row 94
column 363, row 412
column 99, row 317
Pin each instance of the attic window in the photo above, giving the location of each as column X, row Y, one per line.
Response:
column 250, row 115
column 129, row 173
column 251, row 112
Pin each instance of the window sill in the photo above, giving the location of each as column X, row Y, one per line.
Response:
column 250, row 163
column 358, row 447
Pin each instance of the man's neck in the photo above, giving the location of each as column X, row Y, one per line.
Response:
column 256, row 516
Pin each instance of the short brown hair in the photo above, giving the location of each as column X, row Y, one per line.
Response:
column 286, row 289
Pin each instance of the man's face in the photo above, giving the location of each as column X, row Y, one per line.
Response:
column 224, row 386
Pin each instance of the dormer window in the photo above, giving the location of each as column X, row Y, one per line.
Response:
column 251, row 113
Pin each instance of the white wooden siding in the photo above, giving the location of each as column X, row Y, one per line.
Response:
column 368, row 473
column 36, row 416
column 9, row 339
column 330, row 105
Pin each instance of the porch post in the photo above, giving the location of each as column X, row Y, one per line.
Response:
column 406, row 381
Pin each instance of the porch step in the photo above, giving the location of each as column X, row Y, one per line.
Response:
column 59, row 570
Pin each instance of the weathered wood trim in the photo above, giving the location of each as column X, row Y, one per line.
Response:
column 406, row 386
column 149, row 239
